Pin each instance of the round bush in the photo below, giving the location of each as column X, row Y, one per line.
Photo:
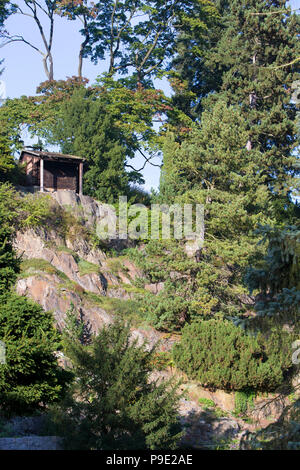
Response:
column 219, row 354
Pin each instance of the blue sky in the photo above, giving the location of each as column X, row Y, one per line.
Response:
column 24, row 71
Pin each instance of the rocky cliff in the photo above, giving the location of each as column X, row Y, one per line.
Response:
column 64, row 268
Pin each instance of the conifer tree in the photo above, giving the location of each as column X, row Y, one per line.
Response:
column 259, row 49
column 194, row 75
column 256, row 54
column 277, row 278
column 113, row 404
column 239, row 159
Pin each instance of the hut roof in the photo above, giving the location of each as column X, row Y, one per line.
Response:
column 51, row 155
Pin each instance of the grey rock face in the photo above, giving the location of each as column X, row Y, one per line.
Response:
column 30, row 443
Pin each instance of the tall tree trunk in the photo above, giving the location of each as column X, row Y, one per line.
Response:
column 48, row 66
column 83, row 46
column 252, row 102
column 51, row 71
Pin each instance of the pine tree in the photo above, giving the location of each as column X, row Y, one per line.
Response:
column 112, row 404
column 277, row 278
column 239, row 159
column 31, row 378
column 213, row 167
column 259, row 49
column 221, row 355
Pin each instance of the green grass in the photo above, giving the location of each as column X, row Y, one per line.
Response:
column 30, row 266
column 116, row 265
column 65, row 249
column 85, row 267
column 130, row 289
column 206, row 402
column 37, row 264
column 219, row 413
column 122, row 308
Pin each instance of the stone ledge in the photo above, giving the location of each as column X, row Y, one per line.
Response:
column 31, row 443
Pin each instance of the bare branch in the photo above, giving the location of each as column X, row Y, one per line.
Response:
column 150, row 50
column 273, row 12
column 42, row 8
column 150, row 69
column 21, row 12
column 17, row 38
column 286, row 65
column 147, row 160
column 118, row 38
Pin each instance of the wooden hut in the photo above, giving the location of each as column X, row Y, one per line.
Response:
column 52, row 171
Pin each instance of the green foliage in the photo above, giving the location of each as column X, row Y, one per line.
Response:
column 34, row 210
column 212, row 167
column 243, row 402
column 117, row 122
column 37, row 264
column 162, row 360
column 86, row 128
column 277, row 278
column 192, row 289
column 284, row 434
column 251, row 47
column 125, row 310
column 238, row 158
column 24, row 211
column 8, row 170
column 75, row 328
column 258, row 79
column 206, row 403
column 5, row 9
column 176, row 303
column 220, row 355
column 9, row 263
column 138, row 37
column 112, row 404
column 31, row 378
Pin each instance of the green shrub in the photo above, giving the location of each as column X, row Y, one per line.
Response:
column 31, row 378
column 85, row 267
column 25, row 211
column 221, row 355
column 243, row 401
column 112, row 403
column 206, row 403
